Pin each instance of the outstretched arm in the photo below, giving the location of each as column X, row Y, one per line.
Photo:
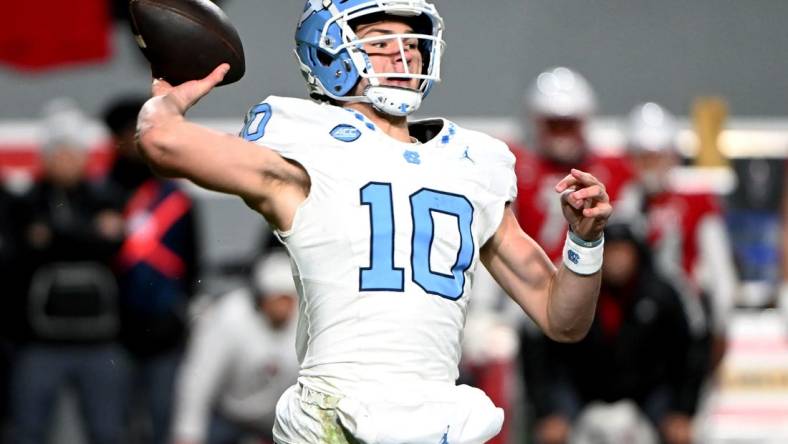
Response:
column 176, row 147
column 561, row 301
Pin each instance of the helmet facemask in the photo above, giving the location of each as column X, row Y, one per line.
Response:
column 338, row 46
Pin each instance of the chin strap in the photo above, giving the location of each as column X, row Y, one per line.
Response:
column 393, row 101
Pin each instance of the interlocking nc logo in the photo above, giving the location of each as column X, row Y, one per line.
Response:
column 573, row 257
column 412, row 157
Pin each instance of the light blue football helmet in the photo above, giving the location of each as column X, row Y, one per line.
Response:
column 332, row 59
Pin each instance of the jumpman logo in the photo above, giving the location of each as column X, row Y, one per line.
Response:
column 445, row 438
column 466, row 156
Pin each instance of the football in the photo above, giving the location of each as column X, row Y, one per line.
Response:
column 186, row 39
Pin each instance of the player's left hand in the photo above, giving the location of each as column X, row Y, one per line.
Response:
column 585, row 204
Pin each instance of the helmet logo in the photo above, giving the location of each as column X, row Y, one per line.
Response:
column 345, row 133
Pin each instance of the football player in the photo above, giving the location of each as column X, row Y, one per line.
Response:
column 385, row 221
column 685, row 229
column 557, row 108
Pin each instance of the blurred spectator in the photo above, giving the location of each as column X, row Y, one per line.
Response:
column 557, row 109
column 10, row 298
column 157, row 270
column 69, row 235
column 241, row 358
column 686, row 230
column 636, row 352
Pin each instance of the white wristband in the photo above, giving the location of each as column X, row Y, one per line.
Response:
column 583, row 257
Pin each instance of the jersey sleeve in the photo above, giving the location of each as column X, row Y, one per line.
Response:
column 284, row 125
column 504, row 180
column 502, row 184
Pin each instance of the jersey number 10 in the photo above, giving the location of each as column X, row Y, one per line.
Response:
column 382, row 275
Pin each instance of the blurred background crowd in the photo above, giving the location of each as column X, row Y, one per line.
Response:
column 142, row 310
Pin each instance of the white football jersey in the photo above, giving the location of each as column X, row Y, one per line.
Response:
column 385, row 246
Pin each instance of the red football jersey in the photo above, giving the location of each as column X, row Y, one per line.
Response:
column 538, row 207
column 674, row 226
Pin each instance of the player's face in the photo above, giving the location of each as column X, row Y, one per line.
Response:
column 653, row 169
column 386, row 55
column 561, row 139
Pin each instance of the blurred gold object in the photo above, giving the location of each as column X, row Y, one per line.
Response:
column 708, row 119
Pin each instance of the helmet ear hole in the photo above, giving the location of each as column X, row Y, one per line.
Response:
column 324, row 58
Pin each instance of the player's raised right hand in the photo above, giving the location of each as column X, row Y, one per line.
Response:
column 185, row 95
column 171, row 102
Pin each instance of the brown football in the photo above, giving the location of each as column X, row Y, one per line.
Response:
column 186, row 39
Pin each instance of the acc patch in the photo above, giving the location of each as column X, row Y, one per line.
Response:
column 345, row 133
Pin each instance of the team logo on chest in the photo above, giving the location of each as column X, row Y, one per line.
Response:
column 345, row 133
column 412, row 157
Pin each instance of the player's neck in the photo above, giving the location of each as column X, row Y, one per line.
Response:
column 395, row 127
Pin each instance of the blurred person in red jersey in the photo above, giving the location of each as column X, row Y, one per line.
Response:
column 557, row 109
column 70, row 232
column 685, row 228
column 240, row 359
column 629, row 379
column 157, row 268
